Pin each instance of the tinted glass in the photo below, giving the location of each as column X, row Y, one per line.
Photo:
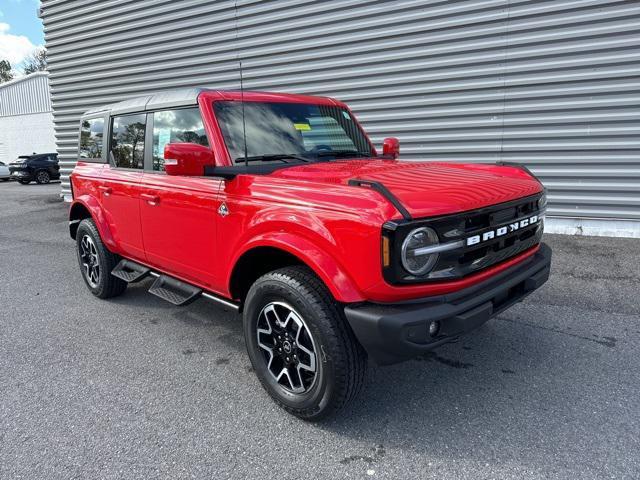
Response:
column 288, row 128
column 127, row 141
column 91, row 138
column 171, row 126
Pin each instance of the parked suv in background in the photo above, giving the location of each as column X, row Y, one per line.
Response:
column 41, row 168
column 279, row 206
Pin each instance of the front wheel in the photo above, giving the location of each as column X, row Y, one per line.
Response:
column 300, row 344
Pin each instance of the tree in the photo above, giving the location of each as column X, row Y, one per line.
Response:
column 5, row 71
column 36, row 62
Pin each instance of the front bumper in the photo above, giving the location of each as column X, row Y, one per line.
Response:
column 391, row 333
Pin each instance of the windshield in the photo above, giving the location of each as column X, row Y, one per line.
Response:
column 289, row 131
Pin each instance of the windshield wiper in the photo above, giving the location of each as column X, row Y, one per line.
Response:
column 342, row 153
column 283, row 157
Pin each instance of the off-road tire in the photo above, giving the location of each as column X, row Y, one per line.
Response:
column 341, row 360
column 107, row 285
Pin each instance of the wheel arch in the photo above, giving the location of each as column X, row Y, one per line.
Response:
column 283, row 250
column 77, row 213
column 87, row 207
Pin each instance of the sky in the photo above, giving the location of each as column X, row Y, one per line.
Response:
column 20, row 30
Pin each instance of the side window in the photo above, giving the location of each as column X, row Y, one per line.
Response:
column 127, row 141
column 171, row 126
column 91, row 138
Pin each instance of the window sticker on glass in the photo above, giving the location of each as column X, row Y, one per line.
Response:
column 302, row 127
column 346, row 115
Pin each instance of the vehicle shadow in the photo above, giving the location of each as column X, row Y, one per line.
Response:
column 208, row 315
column 515, row 391
column 504, row 394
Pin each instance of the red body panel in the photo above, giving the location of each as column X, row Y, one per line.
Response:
column 172, row 223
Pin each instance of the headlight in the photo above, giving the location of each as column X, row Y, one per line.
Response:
column 542, row 201
column 413, row 260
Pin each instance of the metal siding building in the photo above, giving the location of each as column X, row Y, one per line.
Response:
column 553, row 84
column 26, row 119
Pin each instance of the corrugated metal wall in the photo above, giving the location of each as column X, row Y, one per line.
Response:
column 25, row 95
column 554, row 84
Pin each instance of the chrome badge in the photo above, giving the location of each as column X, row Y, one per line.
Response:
column 223, row 210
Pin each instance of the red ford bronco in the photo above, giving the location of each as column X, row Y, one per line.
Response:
column 279, row 206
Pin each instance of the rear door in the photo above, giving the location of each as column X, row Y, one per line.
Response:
column 178, row 214
column 119, row 187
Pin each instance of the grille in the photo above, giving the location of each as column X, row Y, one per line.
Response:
column 487, row 225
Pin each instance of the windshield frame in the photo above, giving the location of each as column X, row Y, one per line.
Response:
column 228, row 160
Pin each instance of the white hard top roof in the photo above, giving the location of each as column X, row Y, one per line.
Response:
column 166, row 99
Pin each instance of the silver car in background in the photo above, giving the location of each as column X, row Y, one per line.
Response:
column 4, row 172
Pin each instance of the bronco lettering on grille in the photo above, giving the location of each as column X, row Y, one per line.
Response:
column 501, row 231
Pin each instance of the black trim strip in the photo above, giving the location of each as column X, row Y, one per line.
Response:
column 231, row 172
column 521, row 166
column 384, row 191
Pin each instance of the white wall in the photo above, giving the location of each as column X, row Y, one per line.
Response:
column 25, row 134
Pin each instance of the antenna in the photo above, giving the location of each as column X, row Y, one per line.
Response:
column 244, row 125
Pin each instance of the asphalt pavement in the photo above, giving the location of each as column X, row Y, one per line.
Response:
column 136, row 388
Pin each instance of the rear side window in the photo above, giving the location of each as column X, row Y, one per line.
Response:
column 91, row 138
column 127, row 141
column 171, row 126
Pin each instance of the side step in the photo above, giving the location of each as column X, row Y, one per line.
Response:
column 129, row 271
column 174, row 291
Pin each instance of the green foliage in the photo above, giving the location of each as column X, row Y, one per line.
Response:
column 5, row 71
column 36, row 62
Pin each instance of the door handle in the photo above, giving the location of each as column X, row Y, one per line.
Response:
column 106, row 190
column 152, row 200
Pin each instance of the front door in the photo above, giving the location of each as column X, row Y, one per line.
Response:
column 178, row 214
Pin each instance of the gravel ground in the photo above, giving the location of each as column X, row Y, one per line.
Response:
column 136, row 388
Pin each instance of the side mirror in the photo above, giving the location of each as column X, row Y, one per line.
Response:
column 391, row 147
column 187, row 159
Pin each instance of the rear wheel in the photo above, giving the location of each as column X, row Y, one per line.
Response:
column 43, row 177
column 300, row 345
column 97, row 262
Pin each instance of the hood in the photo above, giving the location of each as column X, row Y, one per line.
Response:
column 426, row 188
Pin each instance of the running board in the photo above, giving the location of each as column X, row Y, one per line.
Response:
column 168, row 288
column 174, row 291
column 129, row 271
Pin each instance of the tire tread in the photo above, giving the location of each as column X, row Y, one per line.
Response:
column 111, row 286
column 350, row 371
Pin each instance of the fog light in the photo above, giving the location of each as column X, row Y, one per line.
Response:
column 434, row 328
